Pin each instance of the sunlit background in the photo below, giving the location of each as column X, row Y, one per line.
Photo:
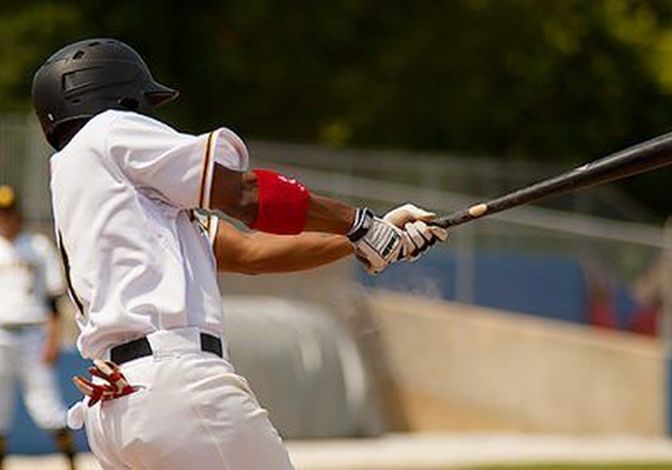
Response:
column 534, row 337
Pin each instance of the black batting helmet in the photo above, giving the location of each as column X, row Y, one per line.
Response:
column 89, row 77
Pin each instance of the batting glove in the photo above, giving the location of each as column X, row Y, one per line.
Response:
column 418, row 236
column 116, row 384
column 378, row 243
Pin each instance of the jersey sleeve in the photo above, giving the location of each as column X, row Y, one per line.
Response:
column 53, row 271
column 178, row 167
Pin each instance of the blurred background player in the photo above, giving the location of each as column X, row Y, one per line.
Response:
column 30, row 282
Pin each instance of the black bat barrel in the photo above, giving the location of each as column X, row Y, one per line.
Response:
column 647, row 156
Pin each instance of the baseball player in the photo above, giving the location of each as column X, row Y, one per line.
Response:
column 128, row 194
column 30, row 282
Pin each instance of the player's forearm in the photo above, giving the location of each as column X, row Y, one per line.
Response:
column 267, row 253
column 329, row 215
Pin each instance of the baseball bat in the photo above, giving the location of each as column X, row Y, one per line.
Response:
column 646, row 156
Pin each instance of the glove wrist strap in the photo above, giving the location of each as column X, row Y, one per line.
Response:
column 361, row 225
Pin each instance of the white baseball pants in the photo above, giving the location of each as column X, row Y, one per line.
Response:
column 192, row 412
column 21, row 361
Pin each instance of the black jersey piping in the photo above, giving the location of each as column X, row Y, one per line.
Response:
column 66, row 265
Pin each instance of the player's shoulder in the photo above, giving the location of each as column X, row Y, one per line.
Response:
column 112, row 128
column 97, row 126
column 131, row 118
column 118, row 121
column 96, row 131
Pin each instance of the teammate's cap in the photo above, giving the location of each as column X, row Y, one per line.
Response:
column 7, row 197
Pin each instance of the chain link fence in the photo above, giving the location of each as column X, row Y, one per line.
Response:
column 24, row 163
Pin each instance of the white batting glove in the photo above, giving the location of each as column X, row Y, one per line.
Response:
column 417, row 236
column 378, row 243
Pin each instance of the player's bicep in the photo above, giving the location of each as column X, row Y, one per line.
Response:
column 234, row 193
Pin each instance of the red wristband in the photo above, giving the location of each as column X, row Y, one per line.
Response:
column 283, row 204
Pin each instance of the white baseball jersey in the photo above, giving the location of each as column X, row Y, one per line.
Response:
column 30, row 272
column 123, row 190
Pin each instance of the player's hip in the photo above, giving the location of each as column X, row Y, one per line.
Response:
column 191, row 401
column 174, row 358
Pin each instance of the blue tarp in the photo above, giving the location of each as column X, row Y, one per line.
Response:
column 25, row 437
column 543, row 285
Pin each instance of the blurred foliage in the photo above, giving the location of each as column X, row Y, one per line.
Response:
column 526, row 79
column 28, row 34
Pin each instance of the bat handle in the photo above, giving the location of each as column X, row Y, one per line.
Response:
column 462, row 216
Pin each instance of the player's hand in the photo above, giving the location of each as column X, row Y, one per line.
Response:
column 378, row 243
column 115, row 384
column 418, row 235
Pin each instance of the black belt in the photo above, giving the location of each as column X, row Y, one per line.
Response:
column 140, row 348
